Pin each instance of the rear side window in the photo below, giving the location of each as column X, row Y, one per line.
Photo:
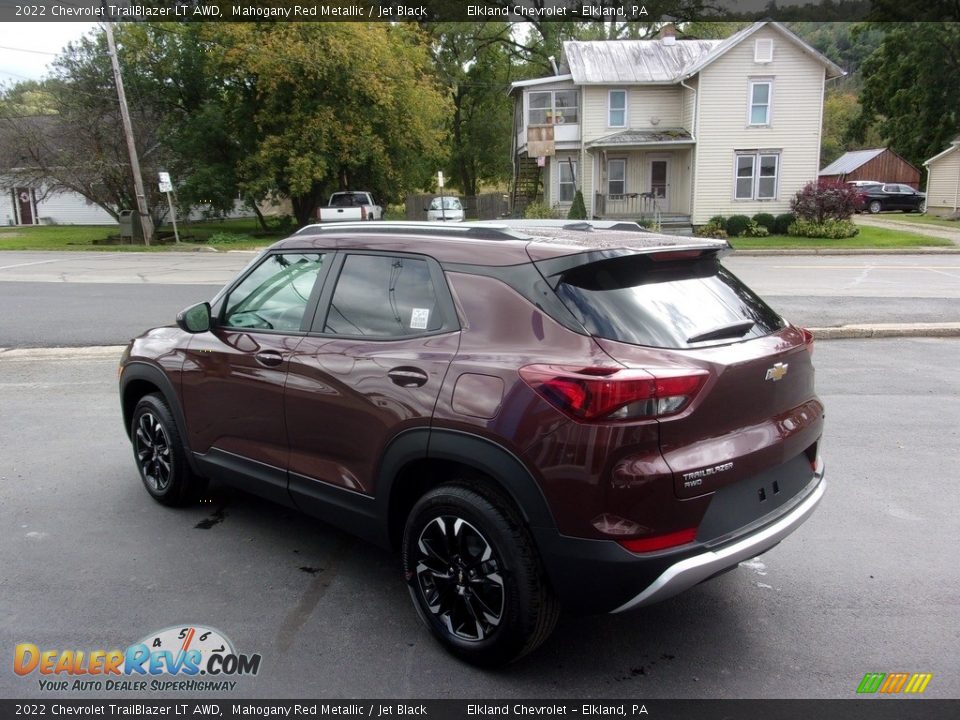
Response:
column 672, row 304
column 382, row 297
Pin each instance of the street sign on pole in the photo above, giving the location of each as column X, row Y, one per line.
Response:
column 166, row 186
column 443, row 211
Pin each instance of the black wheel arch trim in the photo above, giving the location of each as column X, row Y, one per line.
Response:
column 464, row 448
column 136, row 370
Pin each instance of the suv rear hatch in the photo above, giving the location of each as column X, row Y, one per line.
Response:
column 676, row 312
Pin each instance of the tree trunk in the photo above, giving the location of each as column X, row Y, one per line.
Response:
column 261, row 220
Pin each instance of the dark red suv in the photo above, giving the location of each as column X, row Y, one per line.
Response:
column 585, row 414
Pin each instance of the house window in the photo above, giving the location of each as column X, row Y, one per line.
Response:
column 553, row 107
column 760, row 96
column 566, row 187
column 757, row 174
column 617, row 113
column 541, row 107
column 617, row 177
column 763, row 51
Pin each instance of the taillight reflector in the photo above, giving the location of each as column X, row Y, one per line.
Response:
column 660, row 542
column 603, row 393
column 807, row 339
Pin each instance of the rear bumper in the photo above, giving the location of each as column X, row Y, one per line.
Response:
column 693, row 570
column 600, row 576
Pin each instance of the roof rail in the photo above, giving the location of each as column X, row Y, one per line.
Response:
column 446, row 230
column 575, row 225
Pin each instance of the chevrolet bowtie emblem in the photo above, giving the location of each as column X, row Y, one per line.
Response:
column 777, row 372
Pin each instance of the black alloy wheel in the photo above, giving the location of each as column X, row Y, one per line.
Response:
column 475, row 575
column 160, row 454
column 459, row 577
column 154, row 455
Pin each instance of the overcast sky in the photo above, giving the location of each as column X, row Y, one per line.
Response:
column 44, row 40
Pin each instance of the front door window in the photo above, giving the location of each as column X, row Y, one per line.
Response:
column 658, row 182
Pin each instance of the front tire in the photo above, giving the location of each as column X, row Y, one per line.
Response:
column 475, row 576
column 160, row 454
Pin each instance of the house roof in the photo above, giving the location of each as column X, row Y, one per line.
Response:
column 666, row 136
column 652, row 62
column 848, row 162
column 954, row 145
column 633, row 61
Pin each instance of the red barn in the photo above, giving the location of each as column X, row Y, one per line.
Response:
column 880, row 164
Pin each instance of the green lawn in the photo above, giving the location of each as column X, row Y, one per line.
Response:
column 245, row 234
column 920, row 219
column 239, row 234
column 868, row 238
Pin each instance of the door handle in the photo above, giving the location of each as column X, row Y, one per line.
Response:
column 408, row 377
column 269, row 358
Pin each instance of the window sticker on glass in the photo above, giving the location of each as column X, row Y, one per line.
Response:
column 419, row 318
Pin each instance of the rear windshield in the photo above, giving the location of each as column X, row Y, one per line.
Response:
column 674, row 304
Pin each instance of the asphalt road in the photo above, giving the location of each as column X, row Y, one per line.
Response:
column 63, row 299
column 869, row 583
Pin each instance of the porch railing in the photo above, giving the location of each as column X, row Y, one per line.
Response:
column 642, row 207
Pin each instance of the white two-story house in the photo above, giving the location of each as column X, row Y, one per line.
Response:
column 686, row 129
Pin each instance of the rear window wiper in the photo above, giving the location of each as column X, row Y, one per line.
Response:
column 734, row 329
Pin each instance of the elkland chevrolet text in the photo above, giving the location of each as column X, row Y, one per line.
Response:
column 589, row 415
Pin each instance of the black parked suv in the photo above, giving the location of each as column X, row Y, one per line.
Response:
column 587, row 415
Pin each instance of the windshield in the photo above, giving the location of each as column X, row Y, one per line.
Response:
column 449, row 203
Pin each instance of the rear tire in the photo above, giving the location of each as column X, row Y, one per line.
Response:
column 159, row 453
column 874, row 206
column 475, row 577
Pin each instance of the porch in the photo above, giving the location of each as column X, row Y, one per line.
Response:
column 640, row 207
column 639, row 177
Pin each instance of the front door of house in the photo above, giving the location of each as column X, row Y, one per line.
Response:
column 659, row 185
column 24, row 205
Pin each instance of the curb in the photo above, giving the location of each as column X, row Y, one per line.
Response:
column 891, row 330
column 849, row 251
column 91, row 352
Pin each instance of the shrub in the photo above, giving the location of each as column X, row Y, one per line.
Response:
column 832, row 229
column 713, row 229
column 226, row 238
column 718, row 220
column 826, row 200
column 578, row 211
column 782, row 223
column 754, row 229
column 736, row 224
column 539, row 211
column 765, row 220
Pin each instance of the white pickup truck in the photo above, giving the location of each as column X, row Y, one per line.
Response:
column 350, row 206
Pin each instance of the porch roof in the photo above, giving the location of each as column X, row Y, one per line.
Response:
column 644, row 138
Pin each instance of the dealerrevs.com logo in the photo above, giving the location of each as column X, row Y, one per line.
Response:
column 190, row 658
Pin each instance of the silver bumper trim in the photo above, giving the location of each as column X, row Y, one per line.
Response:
column 687, row 573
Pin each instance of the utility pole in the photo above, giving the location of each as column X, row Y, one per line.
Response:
column 146, row 223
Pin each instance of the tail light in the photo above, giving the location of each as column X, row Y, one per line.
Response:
column 363, row 212
column 611, row 394
column 660, row 542
column 807, row 339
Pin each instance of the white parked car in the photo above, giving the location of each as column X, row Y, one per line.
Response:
column 445, row 208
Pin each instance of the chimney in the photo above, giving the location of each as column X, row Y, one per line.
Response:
column 553, row 64
column 667, row 35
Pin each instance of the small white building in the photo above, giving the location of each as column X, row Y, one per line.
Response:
column 943, row 181
column 20, row 205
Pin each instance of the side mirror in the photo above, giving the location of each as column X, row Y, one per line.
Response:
column 195, row 319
